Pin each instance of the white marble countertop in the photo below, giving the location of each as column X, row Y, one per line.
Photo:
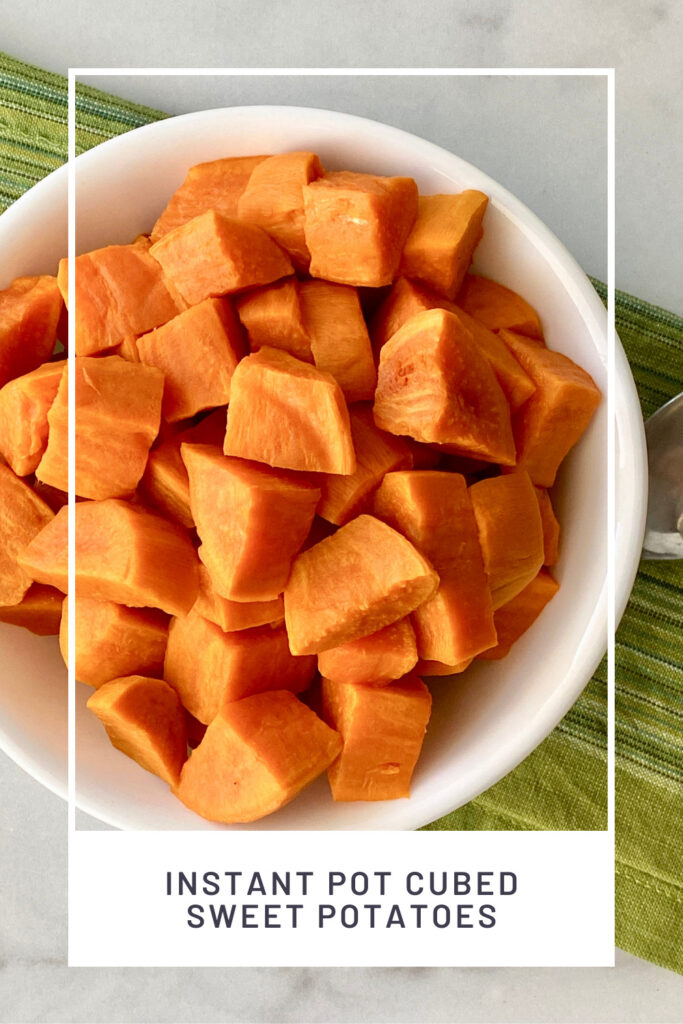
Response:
column 543, row 139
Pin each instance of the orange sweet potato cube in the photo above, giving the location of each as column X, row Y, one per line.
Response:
column 444, row 236
column 251, row 519
column 510, row 532
column 120, row 292
column 129, row 555
column 29, row 314
column 548, row 426
column 516, row 616
column 373, row 660
column 288, row 414
column 164, row 483
column 113, row 640
column 407, row 298
column 23, row 516
column 498, row 307
column 274, row 200
column 197, row 352
column 124, row 554
column 382, row 730
column 515, row 383
column 210, row 668
column 145, row 720
column 362, row 578
column 118, row 410
column 213, row 185
column 340, row 342
column 215, row 255
column 433, row 510
column 39, row 610
column 551, row 527
column 436, row 386
column 272, row 316
column 356, row 226
column 343, row 497
column 44, row 558
column 232, row 616
column 256, row 756
column 24, row 406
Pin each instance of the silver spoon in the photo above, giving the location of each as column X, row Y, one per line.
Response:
column 664, row 524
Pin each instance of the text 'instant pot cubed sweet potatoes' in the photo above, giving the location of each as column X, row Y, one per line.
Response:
column 313, row 459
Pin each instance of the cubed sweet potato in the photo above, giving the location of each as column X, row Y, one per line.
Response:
column 382, row 729
column 210, row 668
column 356, row 226
column 436, row 386
column 288, row 414
column 145, row 720
column 215, row 255
column 256, row 756
column 362, row 578
column 251, row 519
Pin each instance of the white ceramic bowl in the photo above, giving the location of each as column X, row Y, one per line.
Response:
column 486, row 721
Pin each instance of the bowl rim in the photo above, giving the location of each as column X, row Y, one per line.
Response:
column 629, row 439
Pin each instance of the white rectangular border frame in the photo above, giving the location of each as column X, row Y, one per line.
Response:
column 609, row 73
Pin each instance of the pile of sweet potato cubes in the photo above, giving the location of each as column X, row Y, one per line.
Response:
column 258, row 600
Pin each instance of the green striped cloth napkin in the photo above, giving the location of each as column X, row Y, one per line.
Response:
column 561, row 785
